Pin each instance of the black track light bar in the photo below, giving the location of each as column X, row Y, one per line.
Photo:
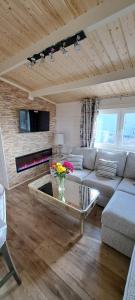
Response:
column 55, row 48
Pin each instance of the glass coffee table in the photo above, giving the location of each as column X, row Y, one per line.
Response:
column 77, row 200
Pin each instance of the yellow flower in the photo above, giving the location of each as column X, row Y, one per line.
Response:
column 61, row 169
column 58, row 164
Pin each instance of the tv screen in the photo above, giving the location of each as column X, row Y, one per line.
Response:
column 34, row 120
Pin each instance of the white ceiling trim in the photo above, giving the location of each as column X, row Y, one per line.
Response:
column 30, row 97
column 86, row 82
column 92, row 19
column 14, row 84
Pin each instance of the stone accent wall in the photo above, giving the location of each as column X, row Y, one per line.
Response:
column 17, row 144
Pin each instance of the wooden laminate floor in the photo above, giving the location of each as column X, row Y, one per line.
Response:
column 51, row 270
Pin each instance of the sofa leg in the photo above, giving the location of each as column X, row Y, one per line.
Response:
column 12, row 270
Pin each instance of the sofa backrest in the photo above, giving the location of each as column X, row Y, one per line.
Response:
column 118, row 156
column 130, row 166
column 89, row 156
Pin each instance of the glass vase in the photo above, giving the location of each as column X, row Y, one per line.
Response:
column 61, row 183
column 61, row 187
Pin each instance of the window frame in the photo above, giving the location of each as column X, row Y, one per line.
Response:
column 118, row 145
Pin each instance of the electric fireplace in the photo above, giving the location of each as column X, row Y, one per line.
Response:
column 34, row 159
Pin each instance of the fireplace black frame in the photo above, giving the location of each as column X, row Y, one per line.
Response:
column 32, row 160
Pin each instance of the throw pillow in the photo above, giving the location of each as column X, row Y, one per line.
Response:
column 76, row 160
column 106, row 168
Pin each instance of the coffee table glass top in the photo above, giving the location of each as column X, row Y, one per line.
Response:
column 75, row 195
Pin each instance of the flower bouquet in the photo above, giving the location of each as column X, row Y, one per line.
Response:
column 60, row 170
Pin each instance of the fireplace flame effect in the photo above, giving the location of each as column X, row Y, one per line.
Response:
column 33, row 159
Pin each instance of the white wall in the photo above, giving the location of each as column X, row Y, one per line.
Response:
column 68, row 122
column 68, row 117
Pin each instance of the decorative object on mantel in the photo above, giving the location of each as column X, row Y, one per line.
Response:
column 60, row 46
column 60, row 170
column 59, row 141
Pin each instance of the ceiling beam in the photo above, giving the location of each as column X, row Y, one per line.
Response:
column 20, row 87
column 94, row 18
column 15, row 84
column 86, row 82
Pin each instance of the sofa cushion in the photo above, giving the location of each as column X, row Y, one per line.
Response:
column 120, row 157
column 76, row 160
column 119, row 214
column 106, row 168
column 78, row 175
column 89, row 156
column 130, row 166
column 104, row 185
column 127, row 185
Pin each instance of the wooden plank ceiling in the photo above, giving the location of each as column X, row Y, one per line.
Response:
column 107, row 49
column 125, row 87
column 23, row 22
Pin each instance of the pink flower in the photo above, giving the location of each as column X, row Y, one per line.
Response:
column 68, row 165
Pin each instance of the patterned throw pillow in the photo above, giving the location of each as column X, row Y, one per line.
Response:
column 76, row 160
column 106, row 168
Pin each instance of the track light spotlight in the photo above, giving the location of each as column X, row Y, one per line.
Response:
column 51, row 55
column 33, row 63
column 30, row 64
column 42, row 59
column 33, row 59
column 77, row 45
column 63, row 50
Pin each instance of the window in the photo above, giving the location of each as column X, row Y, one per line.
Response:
column 129, row 129
column 116, row 129
column 106, row 128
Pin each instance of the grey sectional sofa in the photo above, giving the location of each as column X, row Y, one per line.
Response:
column 118, row 197
column 118, row 222
column 87, row 176
column 118, row 217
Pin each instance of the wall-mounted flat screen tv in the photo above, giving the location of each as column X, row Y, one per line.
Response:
column 34, row 120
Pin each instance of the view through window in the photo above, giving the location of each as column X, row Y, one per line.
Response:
column 115, row 129
column 129, row 129
column 106, row 128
